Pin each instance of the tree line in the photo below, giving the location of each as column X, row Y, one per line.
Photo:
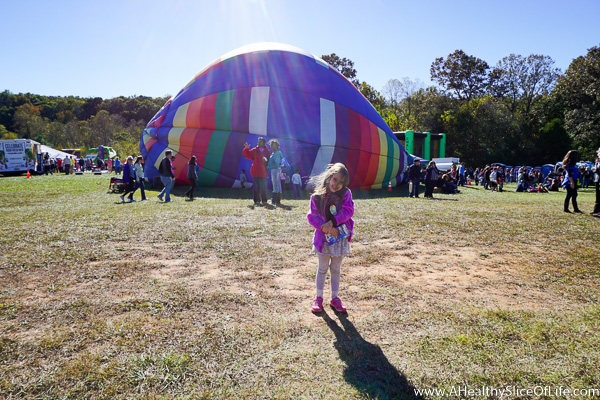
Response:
column 522, row 110
column 74, row 122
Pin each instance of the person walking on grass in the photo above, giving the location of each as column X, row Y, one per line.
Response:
column 431, row 178
column 166, row 176
column 596, row 212
column 128, row 180
column 138, row 169
column 297, row 182
column 192, row 175
column 331, row 211
column 570, row 180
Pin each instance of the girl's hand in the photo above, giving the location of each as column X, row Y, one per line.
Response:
column 334, row 232
column 326, row 226
column 246, row 145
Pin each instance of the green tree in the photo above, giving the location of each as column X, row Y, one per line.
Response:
column 103, row 127
column 521, row 80
column 374, row 97
column 27, row 121
column 463, row 75
column 344, row 66
column 399, row 94
column 483, row 131
column 76, row 134
column 55, row 134
column 428, row 106
column 579, row 90
column 5, row 134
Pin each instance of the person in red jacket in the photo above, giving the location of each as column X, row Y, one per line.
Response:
column 260, row 157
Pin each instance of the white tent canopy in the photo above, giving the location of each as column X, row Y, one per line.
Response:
column 53, row 153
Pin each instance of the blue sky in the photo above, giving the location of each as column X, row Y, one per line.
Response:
column 111, row 48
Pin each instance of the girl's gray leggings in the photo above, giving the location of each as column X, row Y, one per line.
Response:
column 329, row 262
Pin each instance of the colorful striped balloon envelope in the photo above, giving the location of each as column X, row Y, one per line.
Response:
column 278, row 92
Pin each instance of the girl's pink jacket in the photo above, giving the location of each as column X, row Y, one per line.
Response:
column 316, row 217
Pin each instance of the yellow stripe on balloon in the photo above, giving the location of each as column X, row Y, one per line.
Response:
column 396, row 162
column 174, row 139
column 383, row 153
column 179, row 120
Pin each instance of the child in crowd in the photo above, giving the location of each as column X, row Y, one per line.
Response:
column 331, row 208
column 243, row 179
column 282, row 176
column 297, row 182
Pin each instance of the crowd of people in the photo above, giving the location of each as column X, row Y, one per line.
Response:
column 447, row 182
column 71, row 164
column 569, row 177
column 268, row 162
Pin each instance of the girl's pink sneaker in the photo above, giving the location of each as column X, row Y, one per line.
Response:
column 337, row 305
column 317, row 304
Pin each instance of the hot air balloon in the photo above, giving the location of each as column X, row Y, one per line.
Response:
column 279, row 92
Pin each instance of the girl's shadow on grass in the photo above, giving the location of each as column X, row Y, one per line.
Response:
column 367, row 368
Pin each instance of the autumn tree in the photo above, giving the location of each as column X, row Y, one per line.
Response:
column 27, row 121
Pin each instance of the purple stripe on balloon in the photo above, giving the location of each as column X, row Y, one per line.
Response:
column 241, row 110
column 232, row 155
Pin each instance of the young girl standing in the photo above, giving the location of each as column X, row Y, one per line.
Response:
column 331, row 210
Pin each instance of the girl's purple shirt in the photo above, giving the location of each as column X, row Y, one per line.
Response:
column 316, row 218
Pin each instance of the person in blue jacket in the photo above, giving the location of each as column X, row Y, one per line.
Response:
column 128, row 180
column 570, row 179
column 596, row 212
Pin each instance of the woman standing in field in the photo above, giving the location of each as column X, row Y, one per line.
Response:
column 596, row 212
column 274, row 168
column 192, row 175
column 331, row 211
column 138, row 169
column 431, row 178
column 259, row 157
column 570, row 180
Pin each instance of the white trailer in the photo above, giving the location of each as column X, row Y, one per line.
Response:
column 445, row 164
column 18, row 155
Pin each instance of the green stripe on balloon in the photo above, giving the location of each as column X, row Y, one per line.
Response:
column 214, row 156
column 223, row 110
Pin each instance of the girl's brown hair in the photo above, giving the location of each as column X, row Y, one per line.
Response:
column 570, row 158
column 321, row 181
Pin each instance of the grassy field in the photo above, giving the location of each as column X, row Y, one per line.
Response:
column 211, row 299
